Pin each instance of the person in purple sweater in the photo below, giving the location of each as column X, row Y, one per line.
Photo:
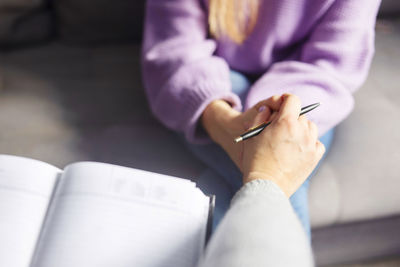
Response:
column 208, row 65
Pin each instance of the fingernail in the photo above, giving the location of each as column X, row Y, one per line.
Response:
column 261, row 109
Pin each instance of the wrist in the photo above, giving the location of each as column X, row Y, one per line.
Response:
column 217, row 118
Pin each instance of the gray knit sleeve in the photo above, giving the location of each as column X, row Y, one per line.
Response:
column 259, row 229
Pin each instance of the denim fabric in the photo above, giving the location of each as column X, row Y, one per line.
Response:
column 223, row 178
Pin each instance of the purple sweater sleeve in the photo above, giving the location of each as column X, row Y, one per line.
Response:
column 332, row 63
column 180, row 73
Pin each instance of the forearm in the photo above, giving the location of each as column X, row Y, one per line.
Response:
column 260, row 229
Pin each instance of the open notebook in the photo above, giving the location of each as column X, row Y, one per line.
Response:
column 94, row 214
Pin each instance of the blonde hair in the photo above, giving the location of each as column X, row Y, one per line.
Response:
column 233, row 18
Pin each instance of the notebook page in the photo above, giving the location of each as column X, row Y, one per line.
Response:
column 26, row 186
column 106, row 215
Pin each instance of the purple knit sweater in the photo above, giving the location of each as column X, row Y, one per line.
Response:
column 320, row 50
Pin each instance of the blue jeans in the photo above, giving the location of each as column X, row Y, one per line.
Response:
column 223, row 178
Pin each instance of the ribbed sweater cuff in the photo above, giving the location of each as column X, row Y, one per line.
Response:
column 197, row 101
column 259, row 187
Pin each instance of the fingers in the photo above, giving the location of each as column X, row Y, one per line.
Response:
column 313, row 129
column 304, row 122
column 258, row 114
column 290, row 108
column 313, row 134
column 273, row 103
column 310, row 129
column 265, row 110
column 262, row 116
column 320, row 150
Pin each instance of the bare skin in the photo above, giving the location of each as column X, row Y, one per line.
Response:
column 224, row 124
column 286, row 152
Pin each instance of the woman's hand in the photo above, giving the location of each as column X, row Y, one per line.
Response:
column 224, row 124
column 286, row 151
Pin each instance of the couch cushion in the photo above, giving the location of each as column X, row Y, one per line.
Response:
column 91, row 21
column 63, row 104
column 24, row 21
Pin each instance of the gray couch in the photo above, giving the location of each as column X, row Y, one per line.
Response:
column 70, row 90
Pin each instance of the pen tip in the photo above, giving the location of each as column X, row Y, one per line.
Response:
column 238, row 139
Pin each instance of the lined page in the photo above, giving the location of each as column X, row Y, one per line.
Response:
column 26, row 186
column 107, row 215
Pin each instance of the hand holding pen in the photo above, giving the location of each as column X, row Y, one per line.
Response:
column 288, row 149
column 258, row 129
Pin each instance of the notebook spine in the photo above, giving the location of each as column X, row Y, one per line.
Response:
column 209, row 226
